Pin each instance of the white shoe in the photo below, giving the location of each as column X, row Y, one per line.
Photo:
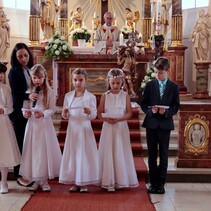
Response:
column 4, row 188
column 111, row 189
column 84, row 189
column 34, row 187
column 46, row 187
column 74, row 188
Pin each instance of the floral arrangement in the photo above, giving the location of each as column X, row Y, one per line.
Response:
column 126, row 31
column 57, row 47
column 81, row 33
column 150, row 75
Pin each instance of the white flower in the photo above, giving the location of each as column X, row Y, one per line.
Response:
column 57, row 47
column 150, row 75
column 146, row 78
column 64, row 47
column 57, row 41
column 57, row 52
column 63, row 38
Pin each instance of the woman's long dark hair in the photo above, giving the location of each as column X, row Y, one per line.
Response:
column 13, row 60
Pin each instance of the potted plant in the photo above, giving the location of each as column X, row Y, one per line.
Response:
column 57, row 47
column 81, row 33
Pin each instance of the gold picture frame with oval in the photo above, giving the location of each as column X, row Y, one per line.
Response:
column 196, row 134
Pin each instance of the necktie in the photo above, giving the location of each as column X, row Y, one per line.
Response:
column 162, row 88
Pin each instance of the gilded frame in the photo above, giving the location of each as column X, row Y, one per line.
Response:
column 196, row 134
column 96, row 82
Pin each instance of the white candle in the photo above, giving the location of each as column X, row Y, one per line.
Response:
column 134, row 26
column 158, row 16
column 114, row 15
column 121, row 39
column 1, row 3
column 115, row 22
column 94, row 14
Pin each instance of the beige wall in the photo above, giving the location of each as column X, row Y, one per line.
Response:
column 118, row 7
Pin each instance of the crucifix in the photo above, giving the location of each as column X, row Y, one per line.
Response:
column 104, row 9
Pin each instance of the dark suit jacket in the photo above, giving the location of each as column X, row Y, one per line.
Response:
column 151, row 97
column 18, row 86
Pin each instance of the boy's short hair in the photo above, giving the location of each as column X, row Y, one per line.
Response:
column 3, row 67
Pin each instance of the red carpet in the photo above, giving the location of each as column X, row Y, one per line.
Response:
column 134, row 199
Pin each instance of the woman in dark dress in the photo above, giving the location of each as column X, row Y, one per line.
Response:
column 19, row 80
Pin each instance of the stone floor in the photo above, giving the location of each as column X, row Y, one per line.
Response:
column 179, row 196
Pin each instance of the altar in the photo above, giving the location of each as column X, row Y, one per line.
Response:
column 97, row 66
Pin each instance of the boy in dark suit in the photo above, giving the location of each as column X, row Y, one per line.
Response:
column 160, row 102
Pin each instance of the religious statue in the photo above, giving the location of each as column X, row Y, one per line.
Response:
column 126, row 56
column 4, row 35
column 131, row 19
column 96, row 22
column 200, row 36
column 49, row 11
column 197, row 134
column 76, row 18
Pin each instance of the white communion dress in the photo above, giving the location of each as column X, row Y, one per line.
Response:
column 9, row 152
column 117, row 168
column 80, row 161
column 41, row 156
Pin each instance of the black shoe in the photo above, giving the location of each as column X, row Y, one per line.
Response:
column 152, row 189
column 161, row 189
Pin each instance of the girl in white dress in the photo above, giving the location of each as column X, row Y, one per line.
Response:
column 41, row 156
column 80, row 162
column 117, row 168
column 9, row 152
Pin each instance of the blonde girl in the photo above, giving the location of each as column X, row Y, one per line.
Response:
column 41, row 156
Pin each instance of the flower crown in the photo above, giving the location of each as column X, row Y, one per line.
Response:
column 115, row 73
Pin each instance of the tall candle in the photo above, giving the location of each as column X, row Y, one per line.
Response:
column 121, row 39
column 158, row 17
column 115, row 22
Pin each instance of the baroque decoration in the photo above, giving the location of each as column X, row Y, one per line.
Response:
column 196, row 134
column 57, row 48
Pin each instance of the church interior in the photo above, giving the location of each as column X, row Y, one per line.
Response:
column 189, row 174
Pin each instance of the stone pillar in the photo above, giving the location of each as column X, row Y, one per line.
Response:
column 202, row 80
column 63, row 18
column 147, row 22
column 176, row 26
column 34, row 23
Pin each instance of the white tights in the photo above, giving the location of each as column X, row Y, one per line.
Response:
column 4, row 173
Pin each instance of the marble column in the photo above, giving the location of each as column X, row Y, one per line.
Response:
column 63, row 18
column 34, row 23
column 177, row 23
column 201, row 80
column 146, row 21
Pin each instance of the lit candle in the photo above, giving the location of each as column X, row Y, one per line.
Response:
column 121, row 39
